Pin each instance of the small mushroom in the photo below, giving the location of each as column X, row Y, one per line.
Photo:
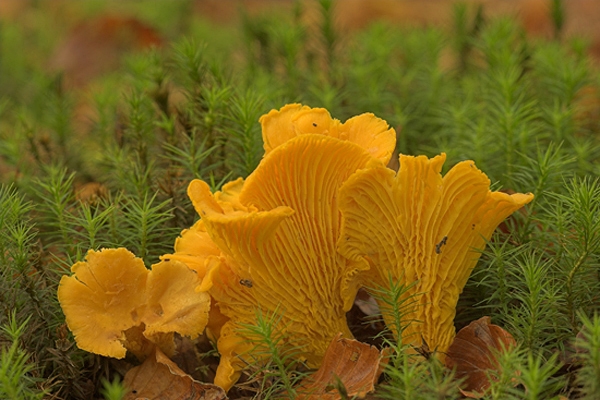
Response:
column 113, row 303
column 427, row 232
column 366, row 130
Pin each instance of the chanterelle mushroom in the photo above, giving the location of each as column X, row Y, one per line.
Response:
column 113, row 303
column 278, row 236
column 366, row 130
column 425, row 230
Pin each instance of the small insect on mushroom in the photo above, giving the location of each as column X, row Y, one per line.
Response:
column 438, row 247
column 246, row 282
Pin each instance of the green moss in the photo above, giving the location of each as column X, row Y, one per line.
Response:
column 526, row 111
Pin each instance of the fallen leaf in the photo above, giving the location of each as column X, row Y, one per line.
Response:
column 367, row 304
column 96, row 46
column 91, row 193
column 365, row 321
column 160, row 378
column 349, row 366
column 473, row 354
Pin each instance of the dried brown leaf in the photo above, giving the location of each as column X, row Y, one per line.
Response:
column 473, row 354
column 160, row 378
column 96, row 46
column 349, row 366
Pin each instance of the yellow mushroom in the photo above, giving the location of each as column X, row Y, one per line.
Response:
column 281, row 256
column 424, row 230
column 193, row 248
column 113, row 303
column 365, row 130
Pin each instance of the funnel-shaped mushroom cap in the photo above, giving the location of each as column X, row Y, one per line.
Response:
column 426, row 231
column 195, row 247
column 280, row 255
column 101, row 298
column 366, row 130
column 172, row 303
column 113, row 303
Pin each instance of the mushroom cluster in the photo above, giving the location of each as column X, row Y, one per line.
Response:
column 320, row 217
column 113, row 303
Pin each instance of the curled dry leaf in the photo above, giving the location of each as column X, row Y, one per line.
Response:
column 349, row 366
column 160, row 378
column 473, row 354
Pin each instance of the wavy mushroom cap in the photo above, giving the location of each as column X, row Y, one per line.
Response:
column 194, row 247
column 292, row 120
column 426, row 231
column 281, row 254
column 113, row 303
